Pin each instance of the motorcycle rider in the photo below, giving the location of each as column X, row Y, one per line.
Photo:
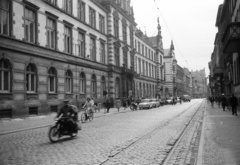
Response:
column 68, row 111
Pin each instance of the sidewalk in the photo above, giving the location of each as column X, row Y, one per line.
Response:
column 20, row 124
column 220, row 138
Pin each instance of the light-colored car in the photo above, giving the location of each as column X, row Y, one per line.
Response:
column 169, row 100
column 155, row 102
column 145, row 103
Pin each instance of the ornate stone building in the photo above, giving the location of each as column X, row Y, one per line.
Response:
column 51, row 50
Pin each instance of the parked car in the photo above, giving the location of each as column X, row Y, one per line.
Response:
column 145, row 103
column 162, row 101
column 169, row 100
column 155, row 102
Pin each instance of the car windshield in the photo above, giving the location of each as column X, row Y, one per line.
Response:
column 145, row 101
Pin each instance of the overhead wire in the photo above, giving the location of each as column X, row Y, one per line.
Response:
column 171, row 33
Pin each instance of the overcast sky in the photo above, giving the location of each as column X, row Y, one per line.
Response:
column 189, row 23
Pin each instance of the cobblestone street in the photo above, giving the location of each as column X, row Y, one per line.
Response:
column 134, row 137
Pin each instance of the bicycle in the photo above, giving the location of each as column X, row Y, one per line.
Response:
column 85, row 116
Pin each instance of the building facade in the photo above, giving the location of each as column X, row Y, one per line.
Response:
column 180, row 81
column 170, row 70
column 225, row 60
column 51, row 50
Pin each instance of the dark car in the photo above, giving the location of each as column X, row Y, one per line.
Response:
column 186, row 98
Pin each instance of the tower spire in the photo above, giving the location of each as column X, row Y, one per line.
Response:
column 159, row 27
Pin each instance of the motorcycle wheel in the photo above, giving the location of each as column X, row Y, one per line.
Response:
column 90, row 116
column 53, row 134
column 83, row 118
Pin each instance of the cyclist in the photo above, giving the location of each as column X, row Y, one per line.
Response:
column 88, row 105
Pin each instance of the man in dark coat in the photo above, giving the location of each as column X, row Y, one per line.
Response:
column 234, row 103
column 108, row 104
column 223, row 101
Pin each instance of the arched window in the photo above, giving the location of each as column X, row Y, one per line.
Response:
column 69, row 81
column 82, row 83
column 103, row 84
column 31, row 78
column 52, row 80
column 94, row 86
column 117, row 88
column 5, row 71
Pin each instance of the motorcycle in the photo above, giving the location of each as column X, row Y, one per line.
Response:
column 61, row 127
column 133, row 106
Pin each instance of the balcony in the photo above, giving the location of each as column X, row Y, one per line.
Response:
column 231, row 38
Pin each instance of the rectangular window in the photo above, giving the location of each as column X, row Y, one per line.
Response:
column 116, row 52
column 139, row 65
column 142, row 49
column 51, row 33
column 33, row 110
column 81, row 44
column 67, row 6
column 67, row 40
column 101, row 24
column 93, row 48
column 131, row 38
column 124, row 28
column 92, row 17
column 150, row 70
column 146, row 68
column 82, row 84
column 81, row 10
column 30, row 25
column 139, row 48
column 4, row 17
column 6, row 113
column 125, row 58
column 143, row 64
column 102, row 52
column 4, row 81
column 146, row 52
column 54, row 108
column 116, row 27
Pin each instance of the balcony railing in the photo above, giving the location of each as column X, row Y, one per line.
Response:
column 231, row 38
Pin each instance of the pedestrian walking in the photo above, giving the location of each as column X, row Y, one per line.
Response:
column 234, row 103
column 223, row 101
column 212, row 101
column 108, row 104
